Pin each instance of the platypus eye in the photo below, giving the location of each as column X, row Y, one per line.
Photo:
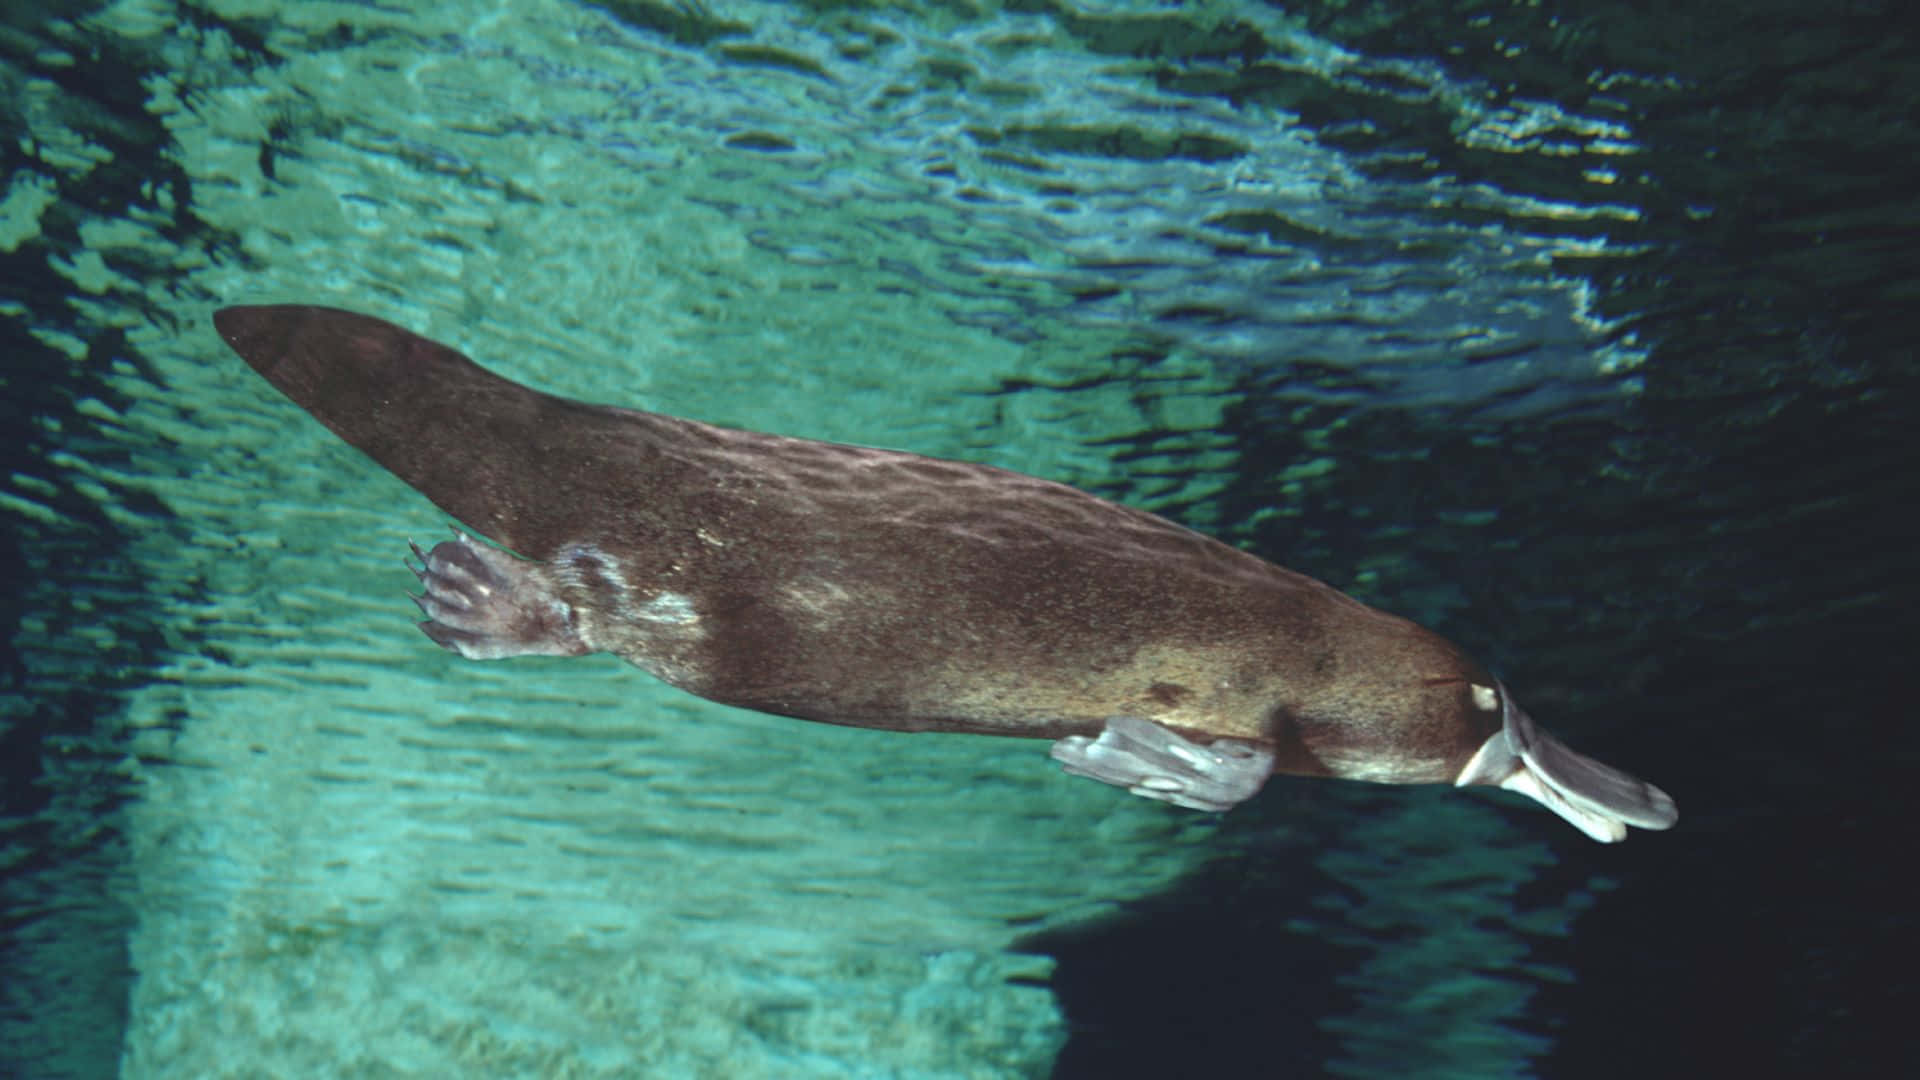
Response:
column 1485, row 698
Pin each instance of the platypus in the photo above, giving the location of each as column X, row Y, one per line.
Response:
column 884, row 589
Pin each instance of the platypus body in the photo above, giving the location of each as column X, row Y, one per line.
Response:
column 888, row 590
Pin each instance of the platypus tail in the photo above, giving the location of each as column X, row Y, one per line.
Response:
column 490, row 452
column 1598, row 799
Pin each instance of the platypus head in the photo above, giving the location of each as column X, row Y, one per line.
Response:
column 1601, row 801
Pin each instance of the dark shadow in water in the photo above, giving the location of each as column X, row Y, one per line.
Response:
column 78, row 625
column 1184, row 984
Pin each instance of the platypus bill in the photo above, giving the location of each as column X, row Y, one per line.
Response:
column 888, row 590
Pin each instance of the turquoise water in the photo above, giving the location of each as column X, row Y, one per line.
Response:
column 1462, row 311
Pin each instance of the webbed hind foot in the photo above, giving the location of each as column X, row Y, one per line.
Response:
column 484, row 603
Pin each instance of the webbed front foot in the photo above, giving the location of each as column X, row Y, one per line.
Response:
column 484, row 603
column 1154, row 762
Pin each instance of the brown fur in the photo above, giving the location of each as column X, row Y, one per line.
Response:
column 876, row 588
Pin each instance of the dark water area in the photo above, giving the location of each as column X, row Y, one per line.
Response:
column 1581, row 334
